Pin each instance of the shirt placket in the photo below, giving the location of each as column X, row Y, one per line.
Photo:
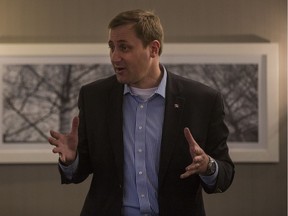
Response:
column 140, row 165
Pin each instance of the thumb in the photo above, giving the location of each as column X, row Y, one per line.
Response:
column 75, row 124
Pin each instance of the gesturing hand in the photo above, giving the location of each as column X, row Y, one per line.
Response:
column 199, row 158
column 66, row 144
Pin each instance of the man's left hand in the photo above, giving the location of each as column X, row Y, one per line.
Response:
column 199, row 158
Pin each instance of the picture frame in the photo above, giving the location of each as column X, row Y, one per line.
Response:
column 23, row 140
column 265, row 57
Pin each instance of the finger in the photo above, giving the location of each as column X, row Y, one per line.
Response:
column 185, row 175
column 190, row 139
column 190, row 171
column 192, row 167
column 61, row 156
column 56, row 150
column 55, row 134
column 200, row 158
column 53, row 141
column 59, row 152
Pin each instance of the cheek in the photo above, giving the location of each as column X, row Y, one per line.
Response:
column 143, row 60
column 137, row 62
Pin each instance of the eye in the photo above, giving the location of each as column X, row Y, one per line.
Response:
column 123, row 47
column 111, row 47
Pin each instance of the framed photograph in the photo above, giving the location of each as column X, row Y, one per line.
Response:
column 40, row 85
column 247, row 77
column 39, row 90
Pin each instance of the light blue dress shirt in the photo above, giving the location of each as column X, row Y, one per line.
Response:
column 142, row 132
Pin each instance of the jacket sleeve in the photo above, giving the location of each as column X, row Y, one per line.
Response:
column 216, row 147
column 82, row 170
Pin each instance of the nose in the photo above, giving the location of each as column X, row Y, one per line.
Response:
column 115, row 56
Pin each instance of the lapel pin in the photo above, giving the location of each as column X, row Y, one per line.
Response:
column 176, row 106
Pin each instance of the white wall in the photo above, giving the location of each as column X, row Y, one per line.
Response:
column 258, row 189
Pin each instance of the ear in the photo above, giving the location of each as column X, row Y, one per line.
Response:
column 155, row 48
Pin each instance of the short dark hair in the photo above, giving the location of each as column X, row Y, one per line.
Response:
column 147, row 25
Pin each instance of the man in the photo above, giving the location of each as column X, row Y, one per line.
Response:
column 134, row 132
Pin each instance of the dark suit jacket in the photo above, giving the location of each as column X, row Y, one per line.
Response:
column 188, row 104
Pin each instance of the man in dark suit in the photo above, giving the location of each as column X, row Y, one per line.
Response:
column 134, row 132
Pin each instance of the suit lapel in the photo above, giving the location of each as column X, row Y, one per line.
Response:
column 171, row 128
column 115, row 127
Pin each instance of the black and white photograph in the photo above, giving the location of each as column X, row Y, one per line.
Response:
column 40, row 93
column 36, row 97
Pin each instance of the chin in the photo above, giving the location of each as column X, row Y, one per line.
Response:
column 121, row 80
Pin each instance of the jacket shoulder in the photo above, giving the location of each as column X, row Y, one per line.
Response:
column 102, row 89
column 188, row 86
column 101, row 83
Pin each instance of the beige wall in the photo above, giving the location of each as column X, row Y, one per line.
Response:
column 258, row 189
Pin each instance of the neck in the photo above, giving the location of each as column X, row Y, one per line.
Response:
column 153, row 80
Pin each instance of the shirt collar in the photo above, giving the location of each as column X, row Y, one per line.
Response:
column 161, row 87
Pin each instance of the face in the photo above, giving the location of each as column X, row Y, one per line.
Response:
column 133, row 64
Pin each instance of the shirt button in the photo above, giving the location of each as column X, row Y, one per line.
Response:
column 141, row 106
column 140, row 150
column 142, row 195
column 140, row 127
column 140, row 172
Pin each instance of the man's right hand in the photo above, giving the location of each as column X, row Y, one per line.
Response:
column 66, row 144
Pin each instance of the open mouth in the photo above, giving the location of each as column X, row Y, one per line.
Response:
column 119, row 69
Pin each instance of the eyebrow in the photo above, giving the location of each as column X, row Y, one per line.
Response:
column 119, row 41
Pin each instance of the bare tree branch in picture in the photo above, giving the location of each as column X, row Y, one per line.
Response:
column 238, row 84
column 37, row 98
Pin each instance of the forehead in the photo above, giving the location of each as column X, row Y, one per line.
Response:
column 122, row 33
